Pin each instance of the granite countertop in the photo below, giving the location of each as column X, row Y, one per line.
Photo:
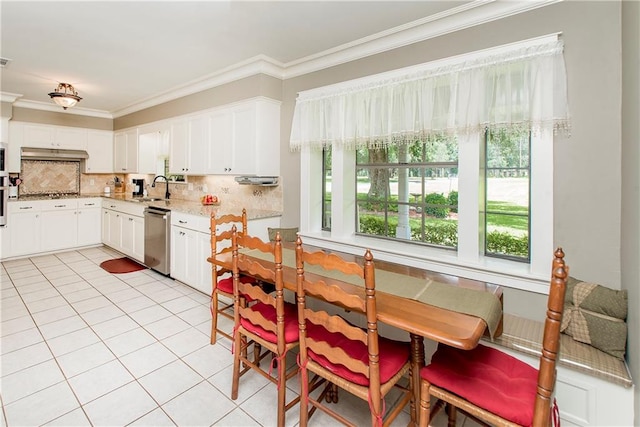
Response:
column 177, row 205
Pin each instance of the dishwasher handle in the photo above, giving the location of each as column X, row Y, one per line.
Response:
column 155, row 213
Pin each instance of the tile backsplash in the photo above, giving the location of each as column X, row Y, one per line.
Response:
column 225, row 187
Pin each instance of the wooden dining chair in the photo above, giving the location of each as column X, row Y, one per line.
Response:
column 493, row 387
column 338, row 353
column 269, row 324
column 221, row 279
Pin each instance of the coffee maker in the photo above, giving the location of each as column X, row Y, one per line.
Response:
column 138, row 187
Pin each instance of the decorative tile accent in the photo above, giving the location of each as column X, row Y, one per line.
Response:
column 49, row 176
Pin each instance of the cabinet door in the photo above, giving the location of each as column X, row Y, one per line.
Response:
column 198, row 147
column 25, row 233
column 127, row 234
column 138, row 238
column 244, row 140
column 100, row 149
column 203, row 267
column 70, row 138
column 132, row 151
column 120, row 152
column 59, row 229
column 38, row 136
column 106, row 227
column 148, row 144
column 221, row 142
column 89, row 232
column 178, row 147
column 178, row 253
column 16, row 139
column 115, row 230
column 125, row 151
column 183, row 253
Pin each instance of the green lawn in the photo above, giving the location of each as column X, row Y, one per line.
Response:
column 516, row 215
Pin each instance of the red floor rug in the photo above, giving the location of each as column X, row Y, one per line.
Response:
column 121, row 265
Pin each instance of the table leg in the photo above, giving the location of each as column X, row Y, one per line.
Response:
column 417, row 362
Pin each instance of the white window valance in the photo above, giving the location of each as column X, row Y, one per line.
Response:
column 521, row 85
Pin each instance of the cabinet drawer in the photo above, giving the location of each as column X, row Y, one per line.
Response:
column 20, row 207
column 59, row 204
column 191, row 222
column 135, row 209
column 94, row 202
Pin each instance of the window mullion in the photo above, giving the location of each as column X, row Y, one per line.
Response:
column 343, row 190
column 469, row 184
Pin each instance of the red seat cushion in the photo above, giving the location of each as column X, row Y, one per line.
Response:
column 488, row 378
column 226, row 284
column 269, row 313
column 393, row 354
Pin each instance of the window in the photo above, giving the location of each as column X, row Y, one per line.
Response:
column 326, row 189
column 468, row 204
column 507, row 193
column 409, row 192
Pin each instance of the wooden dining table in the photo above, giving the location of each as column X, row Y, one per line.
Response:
column 418, row 318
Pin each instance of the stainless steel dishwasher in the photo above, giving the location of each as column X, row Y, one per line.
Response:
column 157, row 245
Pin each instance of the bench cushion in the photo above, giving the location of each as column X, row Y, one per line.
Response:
column 525, row 336
column 596, row 315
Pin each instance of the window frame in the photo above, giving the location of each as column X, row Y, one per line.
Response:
column 468, row 260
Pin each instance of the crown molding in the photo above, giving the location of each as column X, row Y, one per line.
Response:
column 9, row 97
column 468, row 15
column 260, row 64
column 45, row 106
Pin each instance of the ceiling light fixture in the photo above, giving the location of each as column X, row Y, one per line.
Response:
column 65, row 95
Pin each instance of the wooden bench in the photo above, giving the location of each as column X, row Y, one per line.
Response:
column 592, row 389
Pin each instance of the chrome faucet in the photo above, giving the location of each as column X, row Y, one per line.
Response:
column 153, row 184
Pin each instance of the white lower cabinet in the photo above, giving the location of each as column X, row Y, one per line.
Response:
column 89, row 218
column 24, row 228
column 123, row 228
column 51, row 225
column 191, row 246
column 190, row 249
column 59, row 225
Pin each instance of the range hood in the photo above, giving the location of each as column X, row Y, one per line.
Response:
column 36, row 153
column 265, row 181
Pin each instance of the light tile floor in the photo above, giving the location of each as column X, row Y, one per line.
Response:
column 82, row 347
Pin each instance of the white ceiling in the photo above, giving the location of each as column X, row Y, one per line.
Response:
column 119, row 54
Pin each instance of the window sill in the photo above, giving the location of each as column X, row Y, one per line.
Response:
column 502, row 272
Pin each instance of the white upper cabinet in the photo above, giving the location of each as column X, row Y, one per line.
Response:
column 245, row 138
column 100, row 149
column 178, row 146
column 189, row 147
column 48, row 136
column 221, row 131
column 153, row 148
column 198, row 151
column 125, row 151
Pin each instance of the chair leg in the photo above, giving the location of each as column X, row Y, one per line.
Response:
column 282, row 391
column 238, row 350
column 451, row 411
column 304, row 399
column 425, row 404
column 214, row 316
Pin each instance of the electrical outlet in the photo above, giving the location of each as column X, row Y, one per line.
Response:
column 190, row 186
column 92, row 182
column 205, row 188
